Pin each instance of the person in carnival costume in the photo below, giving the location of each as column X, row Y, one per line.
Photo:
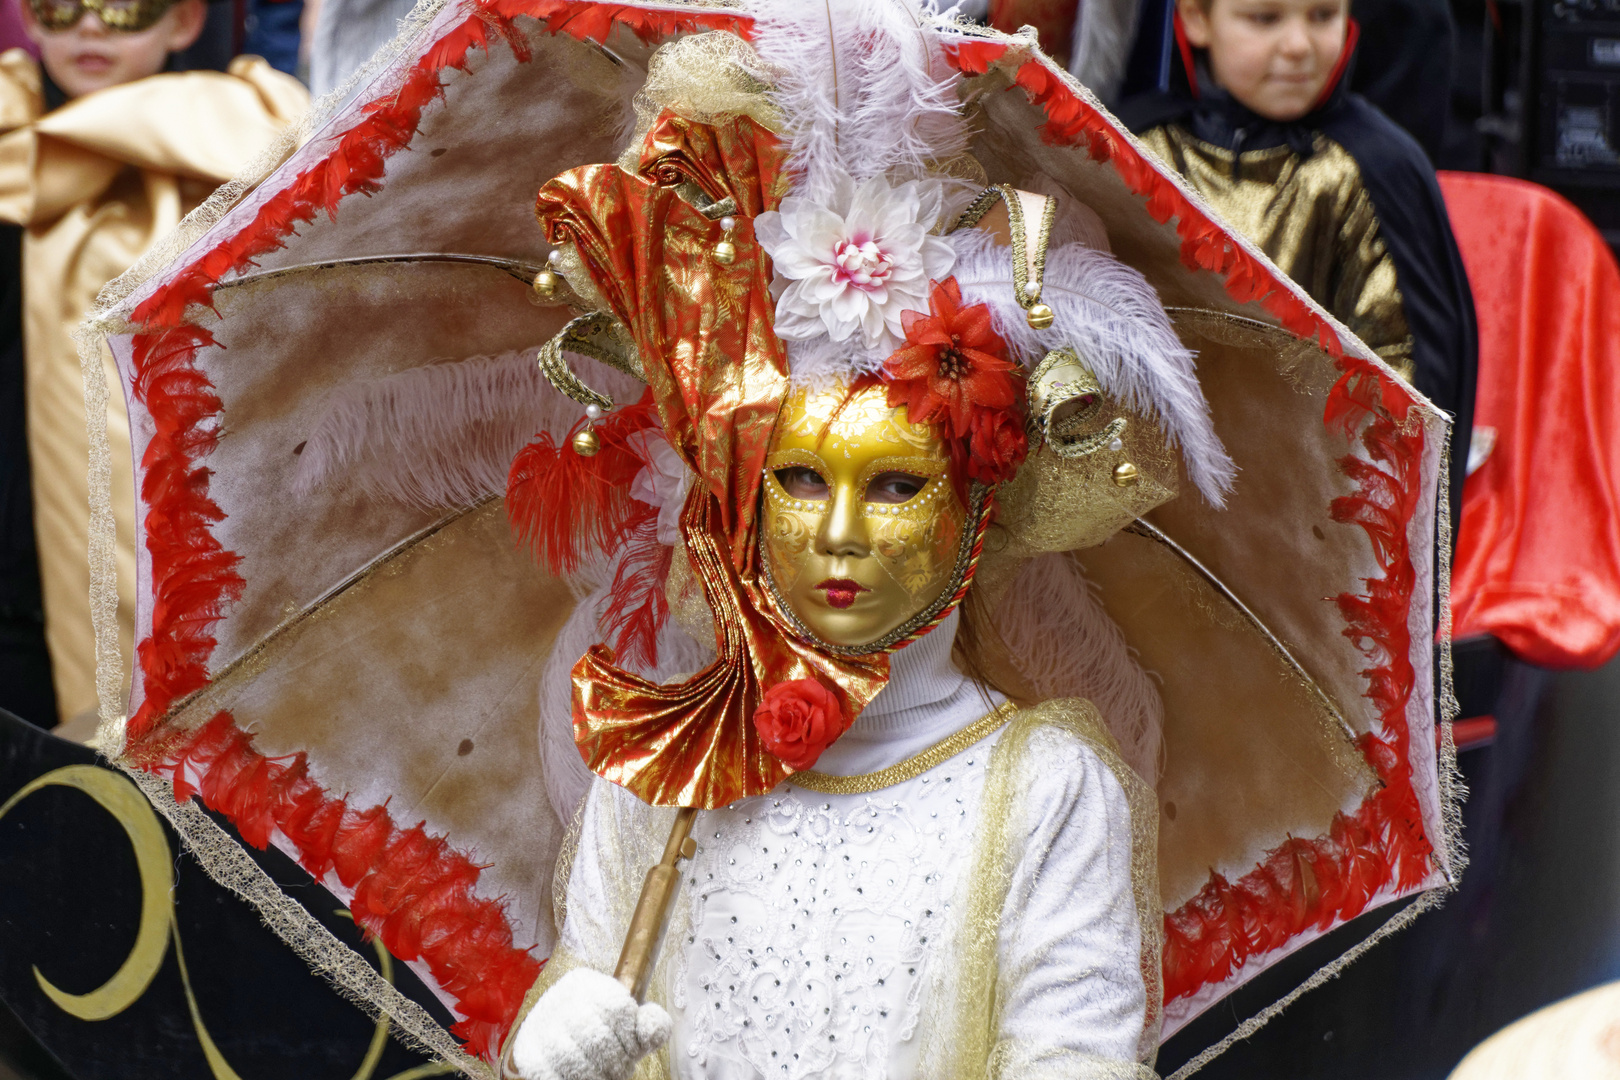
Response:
column 1259, row 116
column 922, row 690
column 895, row 374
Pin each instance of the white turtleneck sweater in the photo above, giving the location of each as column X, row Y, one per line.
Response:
column 809, row 925
column 926, row 699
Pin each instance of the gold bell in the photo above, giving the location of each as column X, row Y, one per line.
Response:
column 725, row 253
column 1040, row 316
column 1125, row 475
column 546, row 283
column 586, row 444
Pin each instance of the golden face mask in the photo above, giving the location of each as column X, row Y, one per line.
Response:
column 121, row 16
column 863, row 535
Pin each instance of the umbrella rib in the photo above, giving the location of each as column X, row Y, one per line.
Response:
column 522, row 270
column 205, row 698
column 1143, row 528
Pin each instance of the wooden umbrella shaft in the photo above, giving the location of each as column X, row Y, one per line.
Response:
column 647, row 924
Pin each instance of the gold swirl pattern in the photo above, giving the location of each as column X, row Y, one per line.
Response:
column 900, row 554
column 158, row 925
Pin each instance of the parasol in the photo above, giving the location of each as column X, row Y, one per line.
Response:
column 342, row 645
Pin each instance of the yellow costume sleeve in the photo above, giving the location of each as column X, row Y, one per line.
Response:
column 97, row 182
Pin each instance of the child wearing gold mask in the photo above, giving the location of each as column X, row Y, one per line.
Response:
column 899, row 869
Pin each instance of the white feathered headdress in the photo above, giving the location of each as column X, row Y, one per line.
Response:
column 878, row 145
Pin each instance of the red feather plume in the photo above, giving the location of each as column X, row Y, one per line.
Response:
column 563, row 505
column 637, row 606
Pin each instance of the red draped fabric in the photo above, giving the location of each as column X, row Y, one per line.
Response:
column 1537, row 560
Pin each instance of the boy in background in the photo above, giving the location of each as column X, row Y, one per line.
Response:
column 101, row 154
column 1261, row 122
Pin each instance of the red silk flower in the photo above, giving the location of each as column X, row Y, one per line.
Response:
column 952, row 364
column 797, row 720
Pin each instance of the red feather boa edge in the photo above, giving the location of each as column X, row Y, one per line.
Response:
column 1301, row 883
column 411, row 889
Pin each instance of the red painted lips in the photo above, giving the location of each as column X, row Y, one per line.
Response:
column 841, row 592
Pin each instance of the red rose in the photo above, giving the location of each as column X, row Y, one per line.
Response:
column 998, row 446
column 797, row 720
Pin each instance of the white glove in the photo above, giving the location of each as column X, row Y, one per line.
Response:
column 587, row 1027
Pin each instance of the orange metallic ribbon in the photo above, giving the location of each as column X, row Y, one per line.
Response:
column 718, row 374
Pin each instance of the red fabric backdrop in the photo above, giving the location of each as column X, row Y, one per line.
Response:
column 1537, row 560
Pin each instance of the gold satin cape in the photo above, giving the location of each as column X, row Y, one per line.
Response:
column 95, row 183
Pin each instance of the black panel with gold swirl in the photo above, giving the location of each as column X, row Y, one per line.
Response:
column 124, row 960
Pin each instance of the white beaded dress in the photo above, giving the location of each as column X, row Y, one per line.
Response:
column 828, row 932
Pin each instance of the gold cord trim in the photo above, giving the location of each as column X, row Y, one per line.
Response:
column 593, row 335
column 977, row 209
column 1453, row 791
column 911, row 768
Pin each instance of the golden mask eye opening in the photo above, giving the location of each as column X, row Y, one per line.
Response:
column 894, row 488
column 800, row 482
column 890, row 488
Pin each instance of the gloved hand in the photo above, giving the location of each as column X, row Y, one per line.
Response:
column 587, row 1027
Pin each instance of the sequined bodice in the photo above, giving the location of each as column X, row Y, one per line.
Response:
column 814, row 919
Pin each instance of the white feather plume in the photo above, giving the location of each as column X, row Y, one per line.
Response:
column 820, row 362
column 1112, row 317
column 443, row 434
column 1065, row 645
column 864, row 88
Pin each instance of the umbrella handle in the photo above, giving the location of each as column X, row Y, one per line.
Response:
column 647, row 924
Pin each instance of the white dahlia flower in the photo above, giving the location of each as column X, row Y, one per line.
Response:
column 852, row 267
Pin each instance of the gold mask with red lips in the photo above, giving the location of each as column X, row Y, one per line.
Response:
column 863, row 535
